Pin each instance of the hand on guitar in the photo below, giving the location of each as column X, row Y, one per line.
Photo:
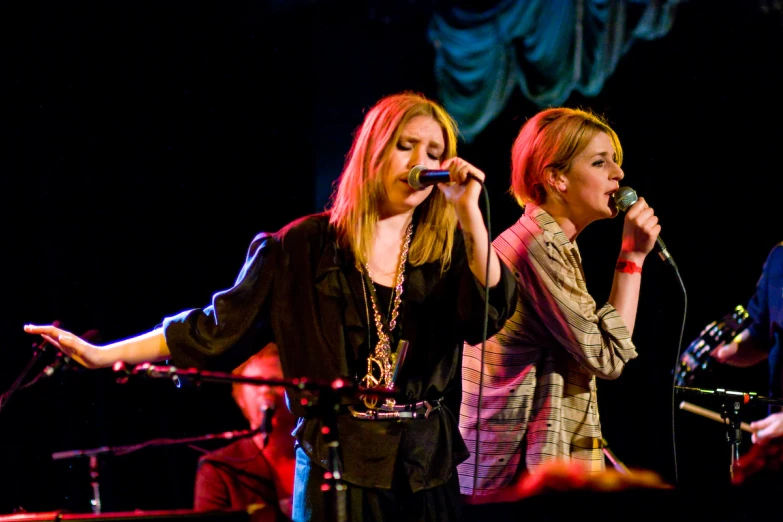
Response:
column 724, row 352
column 710, row 347
column 742, row 351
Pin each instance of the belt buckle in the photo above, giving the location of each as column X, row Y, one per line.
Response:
column 396, row 412
column 367, row 415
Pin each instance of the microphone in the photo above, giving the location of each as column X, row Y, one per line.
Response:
column 624, row 199
column 267, row 412
column 420, row 177
column 61, row 361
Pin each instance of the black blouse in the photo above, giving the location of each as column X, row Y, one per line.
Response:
column 299, row 289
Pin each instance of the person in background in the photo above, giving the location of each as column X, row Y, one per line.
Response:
column 254, row 474
column 538, row 403
column 761, row 341
column 759, row 471
column 381, row 290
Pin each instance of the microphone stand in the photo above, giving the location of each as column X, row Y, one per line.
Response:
column 731, row 405
column 94, row 453
column 617, row 463
column 326, row 405
column 38, row 351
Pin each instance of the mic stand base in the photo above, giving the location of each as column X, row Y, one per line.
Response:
column 95, row 502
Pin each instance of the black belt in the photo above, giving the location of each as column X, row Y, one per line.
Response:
column 415, row 410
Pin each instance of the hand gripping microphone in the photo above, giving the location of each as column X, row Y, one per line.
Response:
column 624, row 199
column 420, row 177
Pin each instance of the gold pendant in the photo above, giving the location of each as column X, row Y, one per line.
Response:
column 370, row 401
column 369, row 380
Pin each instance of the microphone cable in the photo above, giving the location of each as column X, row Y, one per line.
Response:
column 674, row 375
column 415, row 183
column 624, row 198
column 483, row 334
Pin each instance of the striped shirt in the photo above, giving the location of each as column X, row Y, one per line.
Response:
column 539, row 390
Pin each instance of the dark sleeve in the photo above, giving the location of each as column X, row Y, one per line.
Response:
column 211, row 491
column 759, row 305
column 472, row 297
column 235, row 326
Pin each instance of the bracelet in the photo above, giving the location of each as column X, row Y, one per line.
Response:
column 629, row 267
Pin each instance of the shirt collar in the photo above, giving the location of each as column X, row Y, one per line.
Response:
column 552, row 233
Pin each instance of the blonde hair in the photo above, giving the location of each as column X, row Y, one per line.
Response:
column 356, row 202
column 552, row 138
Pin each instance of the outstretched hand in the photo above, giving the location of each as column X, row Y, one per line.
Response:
column 84, row 353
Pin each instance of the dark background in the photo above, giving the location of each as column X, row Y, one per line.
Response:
column 146, row 143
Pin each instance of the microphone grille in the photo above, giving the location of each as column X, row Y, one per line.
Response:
column 413, row 176
column 625, row 197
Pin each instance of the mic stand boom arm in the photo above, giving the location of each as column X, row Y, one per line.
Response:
column 731, row 404
column 327, row 395
column 93, row 454
column 130, row 448
column 38, row 351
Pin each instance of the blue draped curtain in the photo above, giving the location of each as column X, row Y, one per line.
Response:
column 546, row 48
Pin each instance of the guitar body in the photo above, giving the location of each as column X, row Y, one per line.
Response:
column 696, row 365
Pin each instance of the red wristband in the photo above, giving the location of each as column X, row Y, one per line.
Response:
column 629, row 267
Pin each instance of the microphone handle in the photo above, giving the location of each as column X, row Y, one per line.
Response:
column 266, row 423
column 435, row 176
column 421, row 179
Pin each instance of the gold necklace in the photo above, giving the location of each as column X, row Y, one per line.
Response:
column 381, row 357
